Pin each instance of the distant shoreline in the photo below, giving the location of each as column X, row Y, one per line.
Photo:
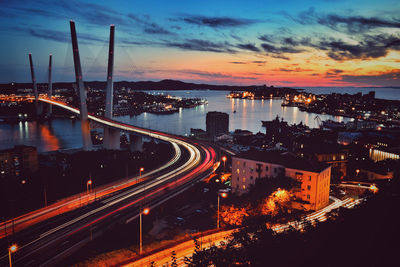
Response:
column 167, row 85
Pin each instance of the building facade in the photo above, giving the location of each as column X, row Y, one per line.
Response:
column 217, row 123
column 313, row 177
column 18, row 160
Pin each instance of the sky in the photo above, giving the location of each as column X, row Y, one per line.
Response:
column 282, row 43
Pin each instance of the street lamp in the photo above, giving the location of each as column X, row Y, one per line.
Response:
column 145, row 212
column 88, row 184
column 224, row 159
column 140, row 171
column 11, row 250
column 224, row 195
column 357, row 172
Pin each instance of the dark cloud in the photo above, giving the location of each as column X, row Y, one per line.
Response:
column 280, row 57
column 280, row 49
column 148, row 26
column 284, row 70
column 248, row 46
column 391, row 78
column 290, row 41
column 266, row 38
column 92, row 13
column 202, row 45
column 237, row 62
column 356, row 24
column 292, row 70
column 217, row 22
column 39, row 12
column 154, row 28
column 287, row 82
column 371, row 47
column 333, row 73
column 348, row 24
column 363, row 46
column 237, row 38
column 216, row 75
column 59, row 36
column 259, row 62
column 137, row 42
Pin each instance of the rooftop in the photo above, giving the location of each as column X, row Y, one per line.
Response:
column 287, row 159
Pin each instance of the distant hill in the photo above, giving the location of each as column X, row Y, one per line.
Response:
column 142, row 85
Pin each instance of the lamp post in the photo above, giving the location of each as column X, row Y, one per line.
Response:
column 145, row 212
column 89, row 184
column 11, row 250
column 357, row 172
column 224, row 195
column 140, row 171
column 224, row 159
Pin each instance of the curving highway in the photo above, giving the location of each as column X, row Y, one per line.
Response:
column 49, row 235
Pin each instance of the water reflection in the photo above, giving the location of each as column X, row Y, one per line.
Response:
column 248, row 115
column 65, row 133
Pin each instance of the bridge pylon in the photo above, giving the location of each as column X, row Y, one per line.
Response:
column 34, row 84
column 50, row 88
column 111, row 136
column 87, row 144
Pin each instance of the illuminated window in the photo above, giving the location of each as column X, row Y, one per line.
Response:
column 244, row 180
column 342, row 156
column 334, row 157
column 244, row 187
column 237, row 171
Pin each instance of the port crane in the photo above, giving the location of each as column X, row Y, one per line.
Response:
column 319, row 121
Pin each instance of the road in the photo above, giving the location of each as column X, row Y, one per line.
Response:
column 53, row 238
column 186, row 248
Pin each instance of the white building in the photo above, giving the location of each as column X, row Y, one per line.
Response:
column 314, row 176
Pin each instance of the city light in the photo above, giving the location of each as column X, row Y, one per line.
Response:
column 223, row 195
column 88, row 186
column 373, row 188
column 13, row 248
column 146, row 211
column 224, row 160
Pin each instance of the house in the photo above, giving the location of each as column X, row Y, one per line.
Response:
column 313, row 176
